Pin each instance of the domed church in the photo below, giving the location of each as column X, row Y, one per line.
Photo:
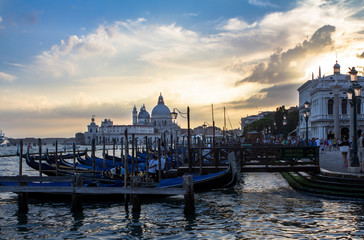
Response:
column 161, row 119
column 159, row 125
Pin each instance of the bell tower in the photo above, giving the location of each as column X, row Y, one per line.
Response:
column 135, row 115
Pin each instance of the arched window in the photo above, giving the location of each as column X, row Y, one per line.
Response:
column 358, row 105
column 344, row 106
column 330, row 106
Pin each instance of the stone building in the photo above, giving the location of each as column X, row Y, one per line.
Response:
column 330, row 110
column 158, row 125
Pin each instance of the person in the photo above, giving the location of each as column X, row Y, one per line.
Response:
column 334, row 144
column 361, row 151
column 344, row 149
column 163, row 164
column 153, row 163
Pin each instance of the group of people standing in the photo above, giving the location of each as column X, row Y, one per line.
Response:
column 347, row 144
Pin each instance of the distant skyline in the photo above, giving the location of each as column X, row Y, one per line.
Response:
column 63, row 61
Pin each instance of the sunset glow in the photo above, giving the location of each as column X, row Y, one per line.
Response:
column 63, row 61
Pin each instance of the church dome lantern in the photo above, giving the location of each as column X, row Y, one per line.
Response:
column 336, row 68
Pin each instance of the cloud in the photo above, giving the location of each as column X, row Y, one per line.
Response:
column 262, row 3
column 245, row 66
column 281, row 66
column 360, row 55
column 234, row 24
column 4, row 77
column 277, row 95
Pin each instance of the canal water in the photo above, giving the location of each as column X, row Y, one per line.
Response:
column 261, row 206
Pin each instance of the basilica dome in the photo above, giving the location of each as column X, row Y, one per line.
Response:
column 161, row 110
column 336, row 68
column 143, row 114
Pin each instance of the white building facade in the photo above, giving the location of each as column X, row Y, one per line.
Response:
column 330, row 110
column 159, row 125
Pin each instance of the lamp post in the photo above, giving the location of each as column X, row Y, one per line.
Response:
column 354, row 93
column 204, row 126
column 174, row 115
column 284, row 124
column 306, row 114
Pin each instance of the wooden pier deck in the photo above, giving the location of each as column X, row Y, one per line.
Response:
column 76, row 190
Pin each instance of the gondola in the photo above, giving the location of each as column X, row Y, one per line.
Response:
column 223, row 179
column 99, row 162
column 46, row 168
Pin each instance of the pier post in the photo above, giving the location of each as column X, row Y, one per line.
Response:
column 159, row 160
column 76, row 198
column 147, row 159
column 189, row 197
column 93, row 155
column 21, row 157
column 135, row 198
column 132, row 154
column 56, row 158
column 22, row 200
column 113, row 151
column 74, row 157
column 40, row 156
column 200, row 154
column 103, row 152
column 176, row 146
column 126, row 166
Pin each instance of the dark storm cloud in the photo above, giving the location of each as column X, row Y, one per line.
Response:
column 278, row 67
column 269, row 97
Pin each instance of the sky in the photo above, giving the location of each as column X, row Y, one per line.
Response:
column 63, row 61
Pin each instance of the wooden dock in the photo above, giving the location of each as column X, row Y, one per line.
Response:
column 76, row 190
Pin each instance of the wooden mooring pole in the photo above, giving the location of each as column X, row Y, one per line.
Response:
column 40, row 156
column 21, row 157
column 93, row 149
column 135, row 198
column 76, row 198
column 147, row 159
column 22, row 199
column 126, row 169
column 189, row 196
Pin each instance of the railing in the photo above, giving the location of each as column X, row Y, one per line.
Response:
column 278, row 158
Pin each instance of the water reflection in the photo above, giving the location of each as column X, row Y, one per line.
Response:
column 22, row 222
column 135, row 226
column 78, row 218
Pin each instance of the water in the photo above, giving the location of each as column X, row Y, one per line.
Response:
column 262, row 206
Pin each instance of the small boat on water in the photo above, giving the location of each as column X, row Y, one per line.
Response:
column 3, row 140
column 223, row 179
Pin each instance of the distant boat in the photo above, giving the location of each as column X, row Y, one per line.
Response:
column 3, row 140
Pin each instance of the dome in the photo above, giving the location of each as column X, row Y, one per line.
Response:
column 161, row 110
column 336, row 68
column 336, row 65
column 143, row 114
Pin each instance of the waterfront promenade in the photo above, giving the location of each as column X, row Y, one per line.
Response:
column 333, row 162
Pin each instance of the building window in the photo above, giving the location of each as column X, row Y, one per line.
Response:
column 330, row 106
column 344, row 106
column 358, row 105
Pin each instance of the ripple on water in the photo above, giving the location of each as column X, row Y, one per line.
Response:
column 263, row 206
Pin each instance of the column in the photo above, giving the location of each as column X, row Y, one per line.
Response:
column 336, row 89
